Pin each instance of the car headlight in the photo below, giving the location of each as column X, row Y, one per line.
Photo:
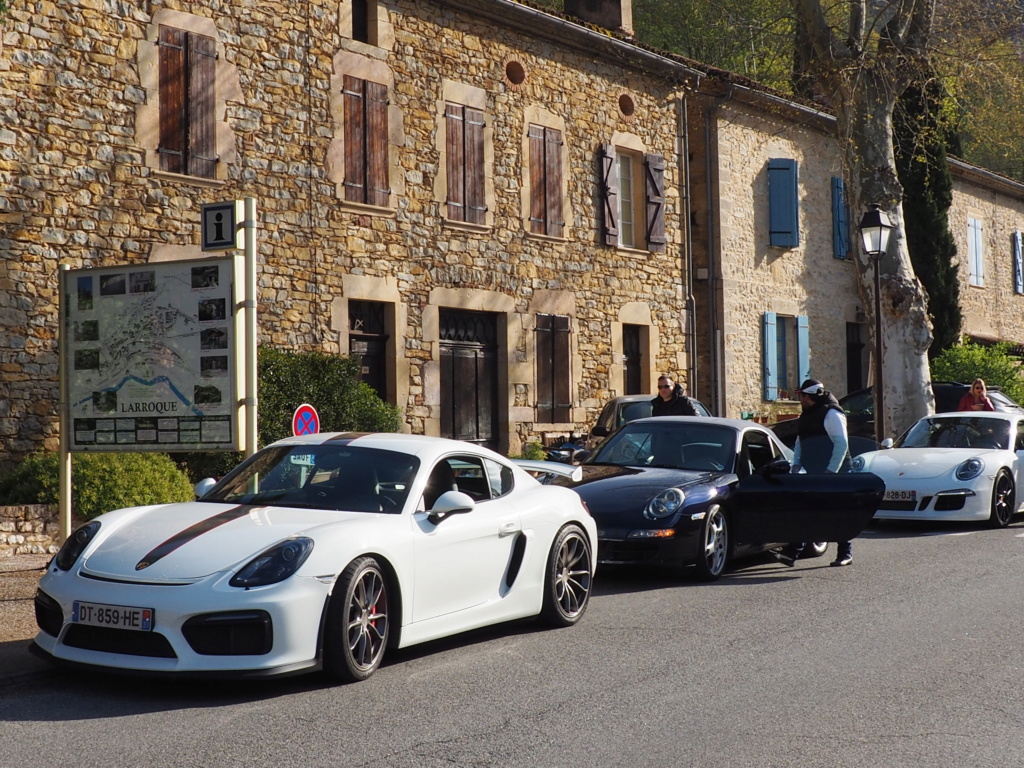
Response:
column 970, row 469
column 665, row 503
column 73, row 548
column 857, row 465
column 275, row 564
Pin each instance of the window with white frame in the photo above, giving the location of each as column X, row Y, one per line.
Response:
column 975, row 253
column 633, row 192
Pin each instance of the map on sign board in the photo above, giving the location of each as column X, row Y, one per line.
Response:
column 150, row 356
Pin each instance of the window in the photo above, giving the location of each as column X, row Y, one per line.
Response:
column 1018, row 264
column 368, row 340
column 553, row 372
column 366, row 141
column 840, row 220
column 783, row 203
column 633, row 187
column 187, row 64
column 786, row 355
column 361, row 21
column 545, row 181
column 465, row 163
column 975, row 253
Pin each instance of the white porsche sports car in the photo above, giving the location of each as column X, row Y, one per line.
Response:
column 952, row 466
column 319, row 552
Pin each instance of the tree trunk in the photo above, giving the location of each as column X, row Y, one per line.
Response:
column 865, row 133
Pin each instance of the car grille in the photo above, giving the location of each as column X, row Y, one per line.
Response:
column 899, row 506
column 49, row 616
column 126, row 641
column 611, row 551
column 236, row 633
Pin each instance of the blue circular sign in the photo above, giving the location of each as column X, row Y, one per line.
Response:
column 306, row 421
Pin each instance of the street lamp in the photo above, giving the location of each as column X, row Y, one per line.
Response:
column 874, row 232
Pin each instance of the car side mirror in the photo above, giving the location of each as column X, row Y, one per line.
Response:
column 886, row 444
column 580, row 456
column 448, row 504
column 203, row 487
column 599, row 432
column 776, row 467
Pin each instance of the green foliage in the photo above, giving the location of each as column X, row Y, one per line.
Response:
column 287, row 379
column 100, row 482
column 532, row 451
column 994, row 364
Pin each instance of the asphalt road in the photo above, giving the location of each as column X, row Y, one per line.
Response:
column 909, row 657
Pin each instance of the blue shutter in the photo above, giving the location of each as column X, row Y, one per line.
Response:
column 771, row 374
column 783, row 210
column 840, row 220
column 803, row 349
column 1018, row 265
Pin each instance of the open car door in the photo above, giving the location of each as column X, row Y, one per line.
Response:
column 773, row 506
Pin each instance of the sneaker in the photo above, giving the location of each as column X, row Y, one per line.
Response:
column 843, row 560
column 785, row 558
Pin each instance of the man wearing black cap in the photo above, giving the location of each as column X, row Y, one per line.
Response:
column 822, row 446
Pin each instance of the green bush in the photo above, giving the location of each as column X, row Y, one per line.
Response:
column 100, row 482
column 994, row 364
column 533, row 451
column 286, row 380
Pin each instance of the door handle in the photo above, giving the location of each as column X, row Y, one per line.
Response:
column 507, row 529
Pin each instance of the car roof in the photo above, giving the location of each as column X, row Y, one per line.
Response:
column 717, row 420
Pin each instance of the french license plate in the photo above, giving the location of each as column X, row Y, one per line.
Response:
column 116, row 616
column 901, row 495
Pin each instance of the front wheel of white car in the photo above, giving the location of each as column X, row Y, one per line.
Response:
column 1003, row 502
column 358, row 622
column 567, row 578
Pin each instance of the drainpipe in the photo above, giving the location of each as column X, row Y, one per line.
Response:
column 715, row 337
column 690, row 309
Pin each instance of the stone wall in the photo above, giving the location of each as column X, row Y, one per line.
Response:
column 32, row 529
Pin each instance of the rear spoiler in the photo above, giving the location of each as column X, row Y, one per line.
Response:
column 573, row 471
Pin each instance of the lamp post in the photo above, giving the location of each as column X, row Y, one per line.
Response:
column 874, row 232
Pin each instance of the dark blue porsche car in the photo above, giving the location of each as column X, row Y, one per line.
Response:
column 695, row 491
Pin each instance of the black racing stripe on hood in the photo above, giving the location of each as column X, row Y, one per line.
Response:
column 190, row 533
column 346, row 437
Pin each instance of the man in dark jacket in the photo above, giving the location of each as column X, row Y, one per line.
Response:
column 822, row 446
column 671, row 400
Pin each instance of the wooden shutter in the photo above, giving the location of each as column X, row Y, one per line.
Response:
column 655, row 188
column 975, row 252
column 378, row 188
column 783, row 210
column 171, row 46
column 545, row 370
column 202, row 138
column 455, row 148
column 770, row 349
column 355, row 139
column 476, row 203
column 561, row 371
column 537, row 183
column 803, row 348
column 610, row 194
column 553, row 181
column 1018, row 264
column 840, row 220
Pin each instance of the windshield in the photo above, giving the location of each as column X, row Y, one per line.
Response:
column 957, row 432
column 336, row 477
column 670, row 444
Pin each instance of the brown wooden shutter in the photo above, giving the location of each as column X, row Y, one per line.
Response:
column 202, row 138
column 171, row 47
column 476, row 204
column 378, row 190
column 355, row 139
column 610, row 194
column 553, row 174
column 456, row 150
column 537, row 185
column 655, row 176
column 545, row 370
column 561, row 369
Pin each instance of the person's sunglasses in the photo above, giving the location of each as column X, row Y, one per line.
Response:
column 664, row 386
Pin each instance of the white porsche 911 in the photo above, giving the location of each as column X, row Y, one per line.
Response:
column 319, row 552
column 952, row 466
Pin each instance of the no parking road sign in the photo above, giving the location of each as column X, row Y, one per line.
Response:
column 305, row 421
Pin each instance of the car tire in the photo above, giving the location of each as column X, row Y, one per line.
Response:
column 358, row 622
column 714, row 543
column 814, row 549
column 567, row 578
column 1003, row 500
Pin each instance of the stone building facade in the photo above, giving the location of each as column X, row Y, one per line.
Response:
column 479, row 196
